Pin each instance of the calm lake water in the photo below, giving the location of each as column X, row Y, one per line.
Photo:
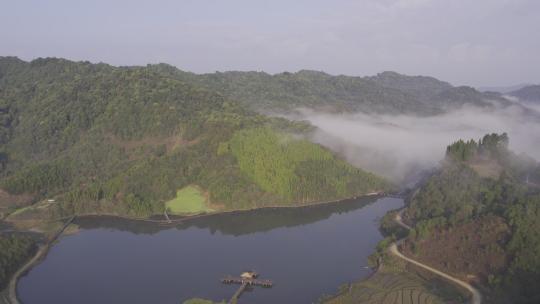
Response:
column 307, row 252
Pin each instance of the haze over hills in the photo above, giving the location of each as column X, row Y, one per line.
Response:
column 483, row 205
column 79, row 138
column 474, row 218
column 530, row 93
column 127, row 105
column 136, row 109
column 503, row 89
column 124, row 140
column 349, row 152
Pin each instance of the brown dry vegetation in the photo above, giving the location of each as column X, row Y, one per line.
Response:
column 387, row 288
column 14, row 201
column 10, row 202
column 169, row 143
column 471, row 251
column 486, row 168
column 398, row 282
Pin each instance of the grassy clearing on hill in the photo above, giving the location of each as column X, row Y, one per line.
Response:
column 21, row 210
column 188, row 200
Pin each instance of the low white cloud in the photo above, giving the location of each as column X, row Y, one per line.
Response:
column 399, row 146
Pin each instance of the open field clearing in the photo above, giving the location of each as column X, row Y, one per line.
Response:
column 188, row 200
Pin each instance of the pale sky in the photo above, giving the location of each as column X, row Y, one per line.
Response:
column 474, row 42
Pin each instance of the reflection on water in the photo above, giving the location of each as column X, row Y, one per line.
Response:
column 305, row 251
column 236, row 223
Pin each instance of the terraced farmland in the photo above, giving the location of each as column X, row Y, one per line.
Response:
column 388, row 288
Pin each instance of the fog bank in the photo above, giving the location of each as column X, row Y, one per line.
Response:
column 400, row 146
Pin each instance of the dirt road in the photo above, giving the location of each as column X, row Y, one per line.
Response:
column 476, row 296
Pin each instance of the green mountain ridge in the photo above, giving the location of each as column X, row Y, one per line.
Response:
column 422, row 87
column 387, row 92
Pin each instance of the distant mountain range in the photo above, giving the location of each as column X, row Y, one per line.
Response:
column 503, row 89
column 528, row 93
column 387, row 92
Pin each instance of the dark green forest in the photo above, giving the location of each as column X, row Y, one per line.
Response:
column 101, row 139
column 458, row 194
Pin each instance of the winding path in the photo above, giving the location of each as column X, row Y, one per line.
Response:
column 476, row 296
column 13, row 282
column 40, row 253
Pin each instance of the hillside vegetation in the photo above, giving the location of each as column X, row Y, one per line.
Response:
column 94, row 138
column 460, row 201
column 14, row 251
column 296, row 169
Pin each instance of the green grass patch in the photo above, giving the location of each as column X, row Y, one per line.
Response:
column 21, row 210
column 188, row 200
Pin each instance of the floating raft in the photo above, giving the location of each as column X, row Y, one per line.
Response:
column 240, row 280
column 248, row 278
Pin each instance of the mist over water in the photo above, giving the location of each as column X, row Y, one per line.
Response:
column 401, row 146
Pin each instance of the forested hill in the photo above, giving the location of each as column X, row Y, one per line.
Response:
column 286, row 91
column 478, row 219
column 421, row 87
column 93, row 138
column 388, row 92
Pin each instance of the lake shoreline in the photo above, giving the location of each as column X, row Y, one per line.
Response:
column 199, row 216
column 176, row 219
column 42, row 251
column 40, row 255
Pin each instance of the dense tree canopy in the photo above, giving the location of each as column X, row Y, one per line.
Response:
column 493, row 146
column 296, row 169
